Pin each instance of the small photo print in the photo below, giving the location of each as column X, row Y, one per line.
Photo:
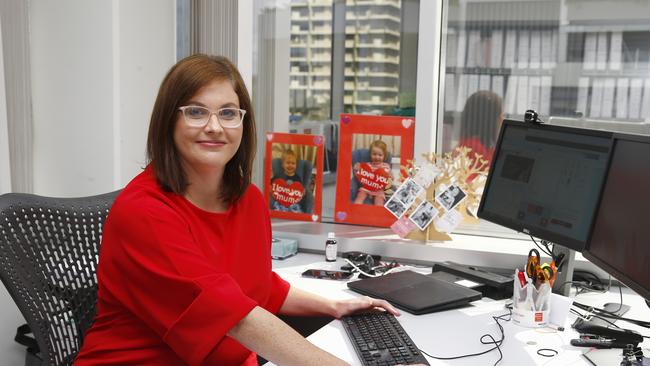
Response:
column 450, row 197
column 395, row 207
column 423, row 215
column 408, row 192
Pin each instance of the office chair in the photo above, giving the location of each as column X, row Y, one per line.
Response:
column 304, row 170
column 49, row 249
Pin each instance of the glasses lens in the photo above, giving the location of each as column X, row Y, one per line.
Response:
column 196, row 115
column 230, row 117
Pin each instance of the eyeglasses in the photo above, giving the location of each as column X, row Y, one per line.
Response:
column 197, row 116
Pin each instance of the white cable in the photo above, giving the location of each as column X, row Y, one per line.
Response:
column 394, row 269
column 359, row 269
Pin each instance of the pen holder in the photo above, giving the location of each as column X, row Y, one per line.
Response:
column 531, row 304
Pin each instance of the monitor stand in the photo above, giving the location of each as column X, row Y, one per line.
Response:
column 561, row 286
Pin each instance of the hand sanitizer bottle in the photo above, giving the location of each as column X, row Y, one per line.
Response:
column 331, row 247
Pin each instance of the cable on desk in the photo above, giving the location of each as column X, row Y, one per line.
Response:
column 547, row 352
column 496, row 343
column 601, row 313
column 586, row 318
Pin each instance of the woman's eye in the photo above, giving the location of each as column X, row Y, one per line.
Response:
column 196, row 112
column 228, row 113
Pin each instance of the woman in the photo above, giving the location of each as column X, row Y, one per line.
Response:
column 480, row 122
column 184, row 271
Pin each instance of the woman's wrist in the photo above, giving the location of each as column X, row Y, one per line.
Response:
column 335, row 309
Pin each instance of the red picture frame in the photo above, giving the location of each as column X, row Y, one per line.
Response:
column 398, row 129
column 296, row 196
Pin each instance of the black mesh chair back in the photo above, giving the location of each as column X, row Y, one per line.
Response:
column 49, row 248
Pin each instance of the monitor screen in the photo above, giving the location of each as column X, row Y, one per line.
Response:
column 546, row 181
column 619, row 240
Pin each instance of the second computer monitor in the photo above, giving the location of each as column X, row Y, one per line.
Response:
column 546, row 181
column 619, row 241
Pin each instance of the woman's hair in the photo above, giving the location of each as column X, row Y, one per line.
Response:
column 479, row 117
column 380, row 145
column 180, row 84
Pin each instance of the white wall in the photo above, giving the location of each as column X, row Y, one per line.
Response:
column 5, row 168
column 96, row 68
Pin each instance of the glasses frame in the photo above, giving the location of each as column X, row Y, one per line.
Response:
column 216, row 113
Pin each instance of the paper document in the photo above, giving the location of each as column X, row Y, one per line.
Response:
column 460, row 54
column 616, row 51
column 450, row 93
column 534, row 83
column 472, row 84
column 497, row 85
column 473, row 48
column 622, row 86
column 496, row 50
column 546, row 54
column 452, row 47
column 636, row 91
column 645, row 105
column 461, row 97
column 523, row 49
column 589, row 62
column 583, row 94
column 535, row 49
column 522, row 95
column 511, row 95
column 545, row 96
column 509, row 50
column 601, row 51
column 484, row 82
column 596, row 98
column 608, row 98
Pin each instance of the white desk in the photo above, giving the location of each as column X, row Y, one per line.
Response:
column 457, row 332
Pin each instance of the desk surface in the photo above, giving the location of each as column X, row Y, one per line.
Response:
column 457, row 332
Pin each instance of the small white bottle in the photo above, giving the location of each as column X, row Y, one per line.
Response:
column 331, row 246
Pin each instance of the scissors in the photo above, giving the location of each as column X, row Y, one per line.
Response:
column 549, row 272
column 532, row 266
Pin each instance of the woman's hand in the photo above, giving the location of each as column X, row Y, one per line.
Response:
column 358, row 304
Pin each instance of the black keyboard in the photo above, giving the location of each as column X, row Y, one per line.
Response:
column 380, row 340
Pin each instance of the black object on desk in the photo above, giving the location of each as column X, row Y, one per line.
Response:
column 416, row 293
column 490, row 284
column 379, row 339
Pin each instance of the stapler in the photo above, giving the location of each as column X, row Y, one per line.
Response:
column 592, row 335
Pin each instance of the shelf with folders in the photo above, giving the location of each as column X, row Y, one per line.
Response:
column 613, row 73
column 516, row 63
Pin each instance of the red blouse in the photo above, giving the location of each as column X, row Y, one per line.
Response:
column 475, row 144
column 174, row 279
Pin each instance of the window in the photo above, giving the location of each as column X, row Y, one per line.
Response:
column 316, row 59
column 576, row 63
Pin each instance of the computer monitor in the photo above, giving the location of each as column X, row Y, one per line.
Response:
column 619, row 239
column 546, row 181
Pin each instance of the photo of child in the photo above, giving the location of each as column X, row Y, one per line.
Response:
column 371, row 173
column 450, row 197
column 423, row 215
column 290, row 189
column 373, row 177
column 396, row 207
